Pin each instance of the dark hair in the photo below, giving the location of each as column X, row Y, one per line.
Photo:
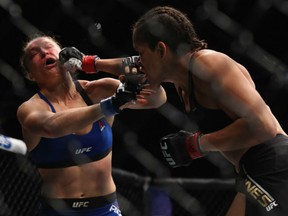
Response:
column 167, row 24
column 24, row 58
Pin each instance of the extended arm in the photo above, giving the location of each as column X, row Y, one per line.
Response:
column 130, row 70
column 75, row 60
column 36, row 118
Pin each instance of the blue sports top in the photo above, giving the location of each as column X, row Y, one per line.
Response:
column 72, row 149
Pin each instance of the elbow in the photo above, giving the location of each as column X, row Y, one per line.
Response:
column 163, row 102
column 267, row 134
column 266, row 130
column 51, row 130
column 273, row 129
column 162, row 98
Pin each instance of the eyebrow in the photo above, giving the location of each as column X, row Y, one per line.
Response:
column 30, row 50
column 42, row 44
column 33, row 48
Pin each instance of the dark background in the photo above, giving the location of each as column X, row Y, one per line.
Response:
column 252, row 32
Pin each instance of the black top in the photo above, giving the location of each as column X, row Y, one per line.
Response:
column 208, row 120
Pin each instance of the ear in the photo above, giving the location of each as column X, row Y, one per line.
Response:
column 161, row 49
column 30, row 76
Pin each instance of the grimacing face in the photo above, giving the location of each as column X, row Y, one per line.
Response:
column 42, row 54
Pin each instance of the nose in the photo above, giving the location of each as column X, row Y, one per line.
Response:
column 43, row 53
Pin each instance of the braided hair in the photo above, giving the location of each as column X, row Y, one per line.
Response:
column 169, row 25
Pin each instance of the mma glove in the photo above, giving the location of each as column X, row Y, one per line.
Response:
column 111, row 106
column 180, row 148
column 127, row 91
column 74, row 60
column 133, row 76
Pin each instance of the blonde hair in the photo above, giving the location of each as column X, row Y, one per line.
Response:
column 24, row 58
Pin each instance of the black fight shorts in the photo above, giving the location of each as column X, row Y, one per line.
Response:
column 263, row 178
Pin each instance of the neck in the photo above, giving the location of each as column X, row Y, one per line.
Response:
column 62, row 92
column 181, row 77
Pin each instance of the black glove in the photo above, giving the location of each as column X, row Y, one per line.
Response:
column 111, row 106
column 180, row 148
column 134, row 77
column 73, row 60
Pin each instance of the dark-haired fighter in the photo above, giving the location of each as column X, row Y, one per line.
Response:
column 218, row 93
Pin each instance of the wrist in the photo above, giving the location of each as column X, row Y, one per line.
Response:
column 200, row 144
column 89, row 63
column 107, row 107
column 193, row 145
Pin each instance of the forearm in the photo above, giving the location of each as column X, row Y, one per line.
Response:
column 158, row 99
column 238, row 135
column 149, row 99
column 70, row 121
column 112, row 66
column 89, row 63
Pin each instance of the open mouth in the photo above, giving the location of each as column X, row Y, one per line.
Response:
column 50, row 61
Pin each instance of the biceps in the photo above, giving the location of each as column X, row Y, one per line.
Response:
column 35, row 122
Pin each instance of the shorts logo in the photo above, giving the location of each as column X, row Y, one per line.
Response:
column 115, row 209
column 80, row 204
column 259, row 194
